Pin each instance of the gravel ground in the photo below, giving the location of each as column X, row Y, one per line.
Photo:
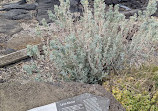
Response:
column 14, row 72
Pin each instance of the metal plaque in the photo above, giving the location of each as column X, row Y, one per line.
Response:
column 83, row 102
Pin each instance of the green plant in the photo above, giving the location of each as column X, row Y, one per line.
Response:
column 96, row 44
column 88, row 53
column 133, row 101
column 135, row 88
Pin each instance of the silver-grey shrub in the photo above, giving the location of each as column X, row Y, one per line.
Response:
column 96, row 44
column 93, row 46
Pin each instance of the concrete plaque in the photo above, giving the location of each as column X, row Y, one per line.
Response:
column 84, row 102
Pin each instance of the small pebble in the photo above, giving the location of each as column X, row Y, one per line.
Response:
column 2, row 81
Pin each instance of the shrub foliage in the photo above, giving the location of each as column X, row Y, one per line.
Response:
column 97, row 42
column 136, row 89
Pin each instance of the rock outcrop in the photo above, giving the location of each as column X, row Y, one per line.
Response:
column 9, row 27
column 21, row 10
column 43, row 7
column 16, row 11
column 22, row 97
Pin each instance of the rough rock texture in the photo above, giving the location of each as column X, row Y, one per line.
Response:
column 7, row 51
column 9, row 27
column 76, row 6
column 135, row 4
column 17, row 11
column 18, row 6
column 43, row 7
column 19, row 43
column 21, row 97
column 17, row 14
column 13, row 57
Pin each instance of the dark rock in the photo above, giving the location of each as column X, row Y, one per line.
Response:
column 22, row 2
column 17, row 14
column 156, row 13
column 43, row 7
column 76, row 6
column 7, row 51
column 17, row 6
column 112, row 2
column 21, row 97
column 134, row 4
column 17, row 11
column 9, row 27
column 2, row 81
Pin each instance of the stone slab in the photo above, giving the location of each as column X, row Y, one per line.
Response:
column 17, row 14
column 9, row 27
column 12, row 6
column 16, row 96
column 15, row 56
